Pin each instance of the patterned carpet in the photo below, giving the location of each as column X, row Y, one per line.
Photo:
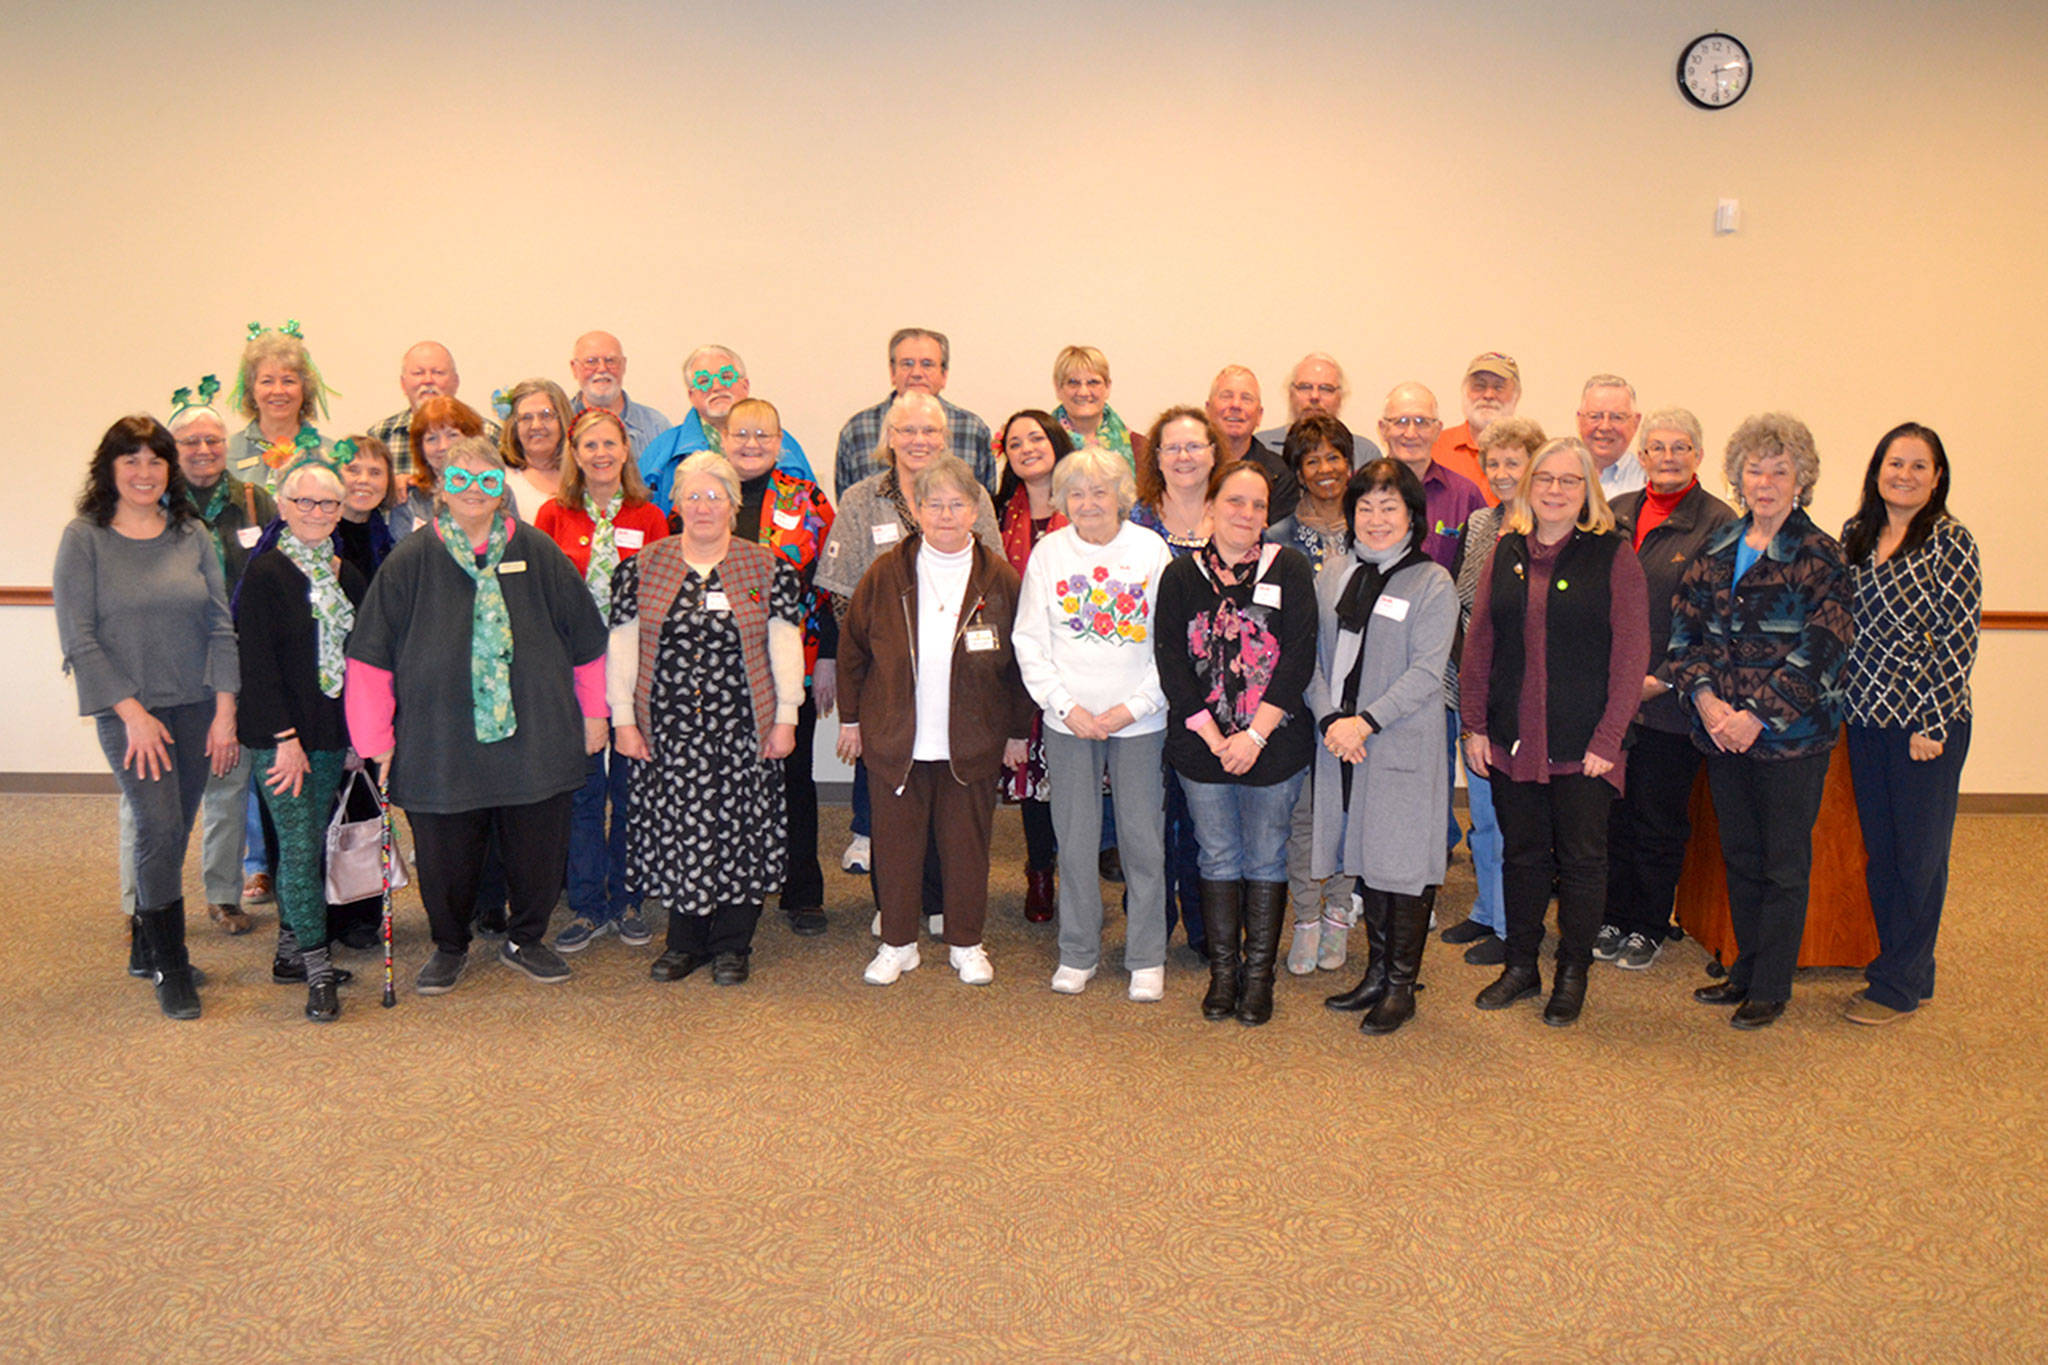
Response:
column 806, row 1167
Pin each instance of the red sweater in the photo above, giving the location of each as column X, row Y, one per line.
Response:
column 571, row 528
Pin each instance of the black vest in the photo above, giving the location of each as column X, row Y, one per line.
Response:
column 1577, row 635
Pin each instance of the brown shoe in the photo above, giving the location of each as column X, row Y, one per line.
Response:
column 230, row 918
column 258, row 890
column 1861, row 1009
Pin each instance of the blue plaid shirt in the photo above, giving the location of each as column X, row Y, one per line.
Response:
column 968, row 438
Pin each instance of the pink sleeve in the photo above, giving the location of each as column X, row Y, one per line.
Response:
column 370, row 702
column 590, row 688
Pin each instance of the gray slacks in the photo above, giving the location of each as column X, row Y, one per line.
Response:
column 1074, row 768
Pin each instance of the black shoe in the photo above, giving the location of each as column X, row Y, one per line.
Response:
column 441, row 972
column 674, row 965
column 1490, row 951
column 1111, row 865
column 164, row 935
column 537, row 960
column 323, row 1006
column 1754, row 1014
column 1515, row 983
column 807, row 923
column 1222, row 917
column 1567, row 997
column 1265, row 905
column 729, row 969
column 1465, row 931
column 138, row 950
column 1407, row 938
column 292, row 971
column 1372, row 986
column 1721, row 993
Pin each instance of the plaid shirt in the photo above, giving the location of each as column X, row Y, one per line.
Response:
column 969, row 439
column 643, row 423
column 395, row 432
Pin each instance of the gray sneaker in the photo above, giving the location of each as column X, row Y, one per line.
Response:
column 441, row 973
column 1638, row 951
column 537, row 960
column 1607, row 945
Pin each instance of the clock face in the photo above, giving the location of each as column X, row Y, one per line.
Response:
column 1714, row 71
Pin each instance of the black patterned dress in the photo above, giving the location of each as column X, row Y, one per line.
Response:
column 707, row 819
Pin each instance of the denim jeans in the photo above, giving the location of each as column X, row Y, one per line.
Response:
column 597, row 856
column 863, row 806
column 1486, row 853
column 1242, row 831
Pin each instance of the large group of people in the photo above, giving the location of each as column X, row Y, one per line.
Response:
column 1235, row 670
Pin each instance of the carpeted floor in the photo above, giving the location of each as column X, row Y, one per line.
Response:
column 806, row 1167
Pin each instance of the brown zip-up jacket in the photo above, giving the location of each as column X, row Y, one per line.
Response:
column 878, row 668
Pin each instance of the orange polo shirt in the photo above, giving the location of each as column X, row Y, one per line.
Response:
column 1455, row 450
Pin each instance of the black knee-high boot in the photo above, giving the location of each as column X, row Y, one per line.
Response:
column 163, row 929
column 1223, row 918
column 1265, row 904
column 1373, row 985
column 1407, row 936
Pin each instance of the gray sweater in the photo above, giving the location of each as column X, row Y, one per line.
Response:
column 143, row 618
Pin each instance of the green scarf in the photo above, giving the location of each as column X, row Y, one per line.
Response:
column 490, row 628
column 1110, row 433
column 333, row 613
column 604, row 551
column 216, row 502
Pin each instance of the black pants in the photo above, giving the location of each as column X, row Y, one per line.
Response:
column 1041, row 844
column 727, row 929
column 1552, row 832
column 1766, row 811
column 1647, row 830
column 803, row 886
column 534, row 840
column 1908, row 811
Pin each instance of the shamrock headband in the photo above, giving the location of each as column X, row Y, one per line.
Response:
column 239, row 399
column 185, row 403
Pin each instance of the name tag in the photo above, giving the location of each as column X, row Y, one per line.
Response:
column 1265, row 594
column 888, row 533
column 1393, row 608
column 788, row 521
column 248, row 536
column 981, row 639
column 716, row 600
column 627, row 538
column 511, row 566
column 249, row 463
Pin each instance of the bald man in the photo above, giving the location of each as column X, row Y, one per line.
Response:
column 423, row 372
column 1317, row 384
column 1235, row 407
column 598, row 364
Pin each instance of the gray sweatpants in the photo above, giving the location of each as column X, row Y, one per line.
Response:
column 1074, row 769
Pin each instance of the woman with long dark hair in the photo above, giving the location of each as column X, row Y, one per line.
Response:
column 1917, row 598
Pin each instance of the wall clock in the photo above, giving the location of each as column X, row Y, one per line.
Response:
column 1714, row 71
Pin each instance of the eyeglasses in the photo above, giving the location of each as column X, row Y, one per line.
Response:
column 1614, row 419
column 1675, row 448
column 724, row 377
column 918, row 364
column 705, row 497
column 1187, row 448
column 202, row 442
column 601, row 362
column 752, row 438
column 1304, row 388
column 490, row 483
column 326, row 507
column 1568, row 482
column 1412, row 423
column 917, row 433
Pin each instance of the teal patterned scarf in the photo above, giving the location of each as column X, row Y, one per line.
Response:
column 333, row 613
column 604, row 551
column 1110, row 433
column 490, row 628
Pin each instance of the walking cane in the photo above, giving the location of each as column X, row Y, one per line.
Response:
column 384, row 856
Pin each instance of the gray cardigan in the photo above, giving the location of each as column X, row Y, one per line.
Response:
column 146, row 619
column 1393, row 833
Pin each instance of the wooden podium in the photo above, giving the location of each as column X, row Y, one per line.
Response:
column 1839, row 929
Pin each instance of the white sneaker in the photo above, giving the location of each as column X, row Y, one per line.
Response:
column 1308, row 940
column 875, row 925
column 973, row 965
column 1072, row 980
column 858, row 856
column 891, row 963
column 1148, row 984
column 935, row 925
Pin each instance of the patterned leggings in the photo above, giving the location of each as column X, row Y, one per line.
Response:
column 302, row 840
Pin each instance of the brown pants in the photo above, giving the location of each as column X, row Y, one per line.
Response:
column 932, row 804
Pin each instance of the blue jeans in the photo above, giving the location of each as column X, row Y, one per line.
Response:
column 1486, row 850
column 256, row 845
column 597, row 857
column 1242, row 831
column 863, row 809
column 1183, row 890
column 1455, row 761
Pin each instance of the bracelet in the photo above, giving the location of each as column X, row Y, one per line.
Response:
column 1257, row 738
column 288, row 734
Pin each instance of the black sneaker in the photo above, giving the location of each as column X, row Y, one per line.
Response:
column 1607, row 946
column 1638, row 951
column 537, row 960
column 807, row 922
column 1465, row 931
column 1490, row 951
column 441, row 973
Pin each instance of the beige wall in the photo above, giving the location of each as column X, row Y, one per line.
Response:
column 1181, row 184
